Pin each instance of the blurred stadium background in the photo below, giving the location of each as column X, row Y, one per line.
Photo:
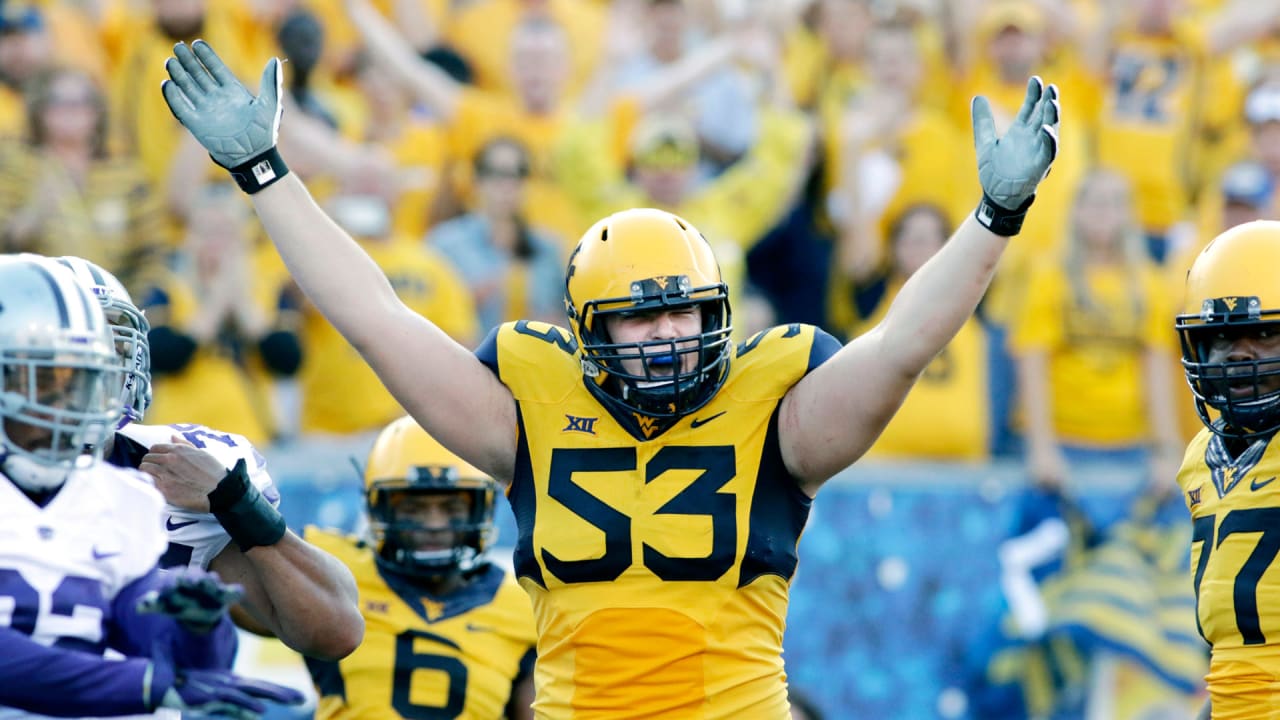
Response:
column 1013, row 546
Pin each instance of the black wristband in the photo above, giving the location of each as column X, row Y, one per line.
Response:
column 243, row 512
column 999, row 220
column 259, row 172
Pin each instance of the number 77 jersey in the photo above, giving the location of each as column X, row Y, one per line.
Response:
column 1235, row 515
column 658, row 557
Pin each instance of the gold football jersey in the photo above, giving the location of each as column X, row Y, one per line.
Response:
column 658, row 557
column 455, row 656
column 1235, row 514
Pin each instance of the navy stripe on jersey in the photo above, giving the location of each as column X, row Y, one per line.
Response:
column 823, row 347
column 126, row 452
column 487, row 353
column 63, row 313
column 524, row 505
column 327, row 678
column 779, row 510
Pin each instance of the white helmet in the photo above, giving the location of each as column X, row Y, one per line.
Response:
column 128, row 326
column 58, row 372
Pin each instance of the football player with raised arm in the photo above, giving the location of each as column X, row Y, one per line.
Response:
column 221, row 504
column 660, row 477
column 430, row 596
column 1230, row 331
column 80, row 539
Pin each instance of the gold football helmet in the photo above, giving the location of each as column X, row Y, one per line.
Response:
column 646, row 260
column 405, row 459
column 1232, row 287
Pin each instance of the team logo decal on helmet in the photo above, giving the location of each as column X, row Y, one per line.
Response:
column 1233, row 288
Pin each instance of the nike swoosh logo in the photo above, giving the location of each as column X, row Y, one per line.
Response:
column 699, row 422
column 472, row 627
column 103, row 555
column 1255, row 485
column 170, row 525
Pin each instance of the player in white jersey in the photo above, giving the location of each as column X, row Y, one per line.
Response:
column 222, row 505
column 79, row 539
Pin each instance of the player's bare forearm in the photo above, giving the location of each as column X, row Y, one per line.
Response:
column 298, row 593
column 313, row 246
column 441, row 383
column 938, row 299
column 832, row 417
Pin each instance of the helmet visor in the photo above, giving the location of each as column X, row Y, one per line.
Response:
column 1245, row 391
column 57, row 403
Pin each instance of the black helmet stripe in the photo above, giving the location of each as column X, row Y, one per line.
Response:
column 63, row 314
column 83, row 266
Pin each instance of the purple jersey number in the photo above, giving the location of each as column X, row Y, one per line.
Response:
column 197, row 434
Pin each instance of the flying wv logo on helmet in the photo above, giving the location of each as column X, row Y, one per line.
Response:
column 1231, row 294
column 648, row 261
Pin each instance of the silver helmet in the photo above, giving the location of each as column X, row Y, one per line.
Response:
column 60, row 372
column 129, row 328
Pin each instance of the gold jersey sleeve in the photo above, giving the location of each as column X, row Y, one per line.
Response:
column 658, row 557
column 1235, row 517
column 455, row 656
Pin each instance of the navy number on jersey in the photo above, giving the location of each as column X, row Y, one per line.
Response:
column 409, row 660
column 702, row 497
column 1245, row 591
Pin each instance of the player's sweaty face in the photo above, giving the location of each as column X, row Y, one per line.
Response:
column 435, row 513
column 1246, row 345
column 53, row 387
column 658, row 325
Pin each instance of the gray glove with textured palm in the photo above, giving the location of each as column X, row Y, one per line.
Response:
column 238, row 129
column 1011, row 167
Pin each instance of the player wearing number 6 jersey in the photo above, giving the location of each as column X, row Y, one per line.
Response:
column 447, row 633
column 221, row 513
column 1230, row 332
column 660, row 477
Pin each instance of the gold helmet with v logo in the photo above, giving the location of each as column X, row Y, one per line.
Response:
column 648, row 261
column 411, row 476
column 1233, row 291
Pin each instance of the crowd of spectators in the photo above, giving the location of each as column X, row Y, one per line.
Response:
column 822, row 146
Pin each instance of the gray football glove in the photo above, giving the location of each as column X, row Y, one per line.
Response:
column 195, row 598
column 239, row 130
column 1010, row 167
